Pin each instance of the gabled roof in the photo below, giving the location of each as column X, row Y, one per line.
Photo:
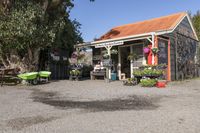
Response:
column 165, row 23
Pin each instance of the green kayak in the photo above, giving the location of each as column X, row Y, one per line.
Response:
column 44, row 74
column 28, row 76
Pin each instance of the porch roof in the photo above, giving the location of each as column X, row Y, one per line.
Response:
column 140, row 30
column 164, row 23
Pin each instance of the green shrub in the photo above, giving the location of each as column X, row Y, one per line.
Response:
column 75, row 72
column 148, row 72
column 148, row 82
column 86, row 70
column 137, row 72
column 158, row 72
column 130, row 82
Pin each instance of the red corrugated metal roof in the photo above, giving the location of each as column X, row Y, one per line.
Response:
column 152, row 25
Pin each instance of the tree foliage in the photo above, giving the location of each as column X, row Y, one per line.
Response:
column 26, row 27
column 196, row 23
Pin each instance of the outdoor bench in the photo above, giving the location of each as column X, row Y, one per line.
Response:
column 93, row 74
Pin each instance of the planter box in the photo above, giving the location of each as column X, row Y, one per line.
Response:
column 74, row 77
column 161, row 83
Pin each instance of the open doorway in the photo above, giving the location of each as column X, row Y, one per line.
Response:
column 125, row 63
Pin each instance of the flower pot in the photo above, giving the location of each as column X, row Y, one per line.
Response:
column 155, row 50
column 146, row 50
column 161, row 84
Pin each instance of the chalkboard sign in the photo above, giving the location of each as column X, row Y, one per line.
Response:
column 107, row 63
column 163, row 52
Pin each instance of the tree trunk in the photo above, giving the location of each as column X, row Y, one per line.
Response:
column 26, row 64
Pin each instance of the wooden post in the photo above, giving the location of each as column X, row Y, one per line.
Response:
column 131, row 62
column 153, row 45
column 169, row 62
column 156, row 55
column 108, row 48
column 119, row 63
column 109, row 69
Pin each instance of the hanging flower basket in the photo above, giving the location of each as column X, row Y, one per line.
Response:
column 74, row 55
column 105, row 56
column 114, row 51
column 146, row 50
column 132, row 56
column 155, row 50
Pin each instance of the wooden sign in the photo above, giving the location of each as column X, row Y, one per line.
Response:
column 114, row 43
column 107, row 62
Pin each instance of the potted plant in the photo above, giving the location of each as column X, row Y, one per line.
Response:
column 78, row 56
column 75, row 74
column 158, row 72
column 155, row 50
column 132, row 56
column 114, row 51
column 161, row 66
column 137, row 73
column 147, row 82
column 146, row 50
column 106, row 55
column 147, row 72
column 161, row 83
column 130, row 82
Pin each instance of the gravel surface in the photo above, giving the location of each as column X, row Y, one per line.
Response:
column 99, row 107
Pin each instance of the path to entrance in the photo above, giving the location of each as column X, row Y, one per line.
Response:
column 99, row 107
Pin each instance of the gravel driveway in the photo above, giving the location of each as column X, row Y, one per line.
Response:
column 99, row 107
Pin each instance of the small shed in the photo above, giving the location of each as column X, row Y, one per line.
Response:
column 173, row 35
column 56, row 61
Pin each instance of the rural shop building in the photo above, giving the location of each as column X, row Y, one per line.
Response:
column 173, row 35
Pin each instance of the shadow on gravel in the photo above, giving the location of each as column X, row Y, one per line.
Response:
column 130, row 103
column 23, row 122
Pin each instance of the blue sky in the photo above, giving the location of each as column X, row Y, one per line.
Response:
column 100, row 16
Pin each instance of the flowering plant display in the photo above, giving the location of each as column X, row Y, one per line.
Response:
column 146, row 50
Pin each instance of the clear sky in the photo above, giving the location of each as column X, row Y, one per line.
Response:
column 100, row 16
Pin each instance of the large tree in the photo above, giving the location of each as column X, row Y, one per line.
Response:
column 26, row 27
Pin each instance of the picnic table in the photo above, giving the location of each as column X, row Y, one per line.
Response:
column 8, row 74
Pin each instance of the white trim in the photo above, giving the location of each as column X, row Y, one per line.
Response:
column 138, row 43
column 192, row 27
column 164, row 32
column 149, row 40
column 187, row 16
column 123, row 38
column 172, row 30
column 86, row 44
column 119, row 63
